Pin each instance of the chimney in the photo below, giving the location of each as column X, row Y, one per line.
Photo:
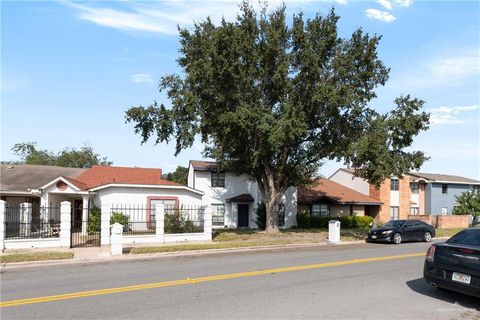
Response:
column 160, row 173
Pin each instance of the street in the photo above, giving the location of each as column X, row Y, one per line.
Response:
column 328, row 282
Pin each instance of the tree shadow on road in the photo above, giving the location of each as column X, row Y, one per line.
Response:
column 420, row 286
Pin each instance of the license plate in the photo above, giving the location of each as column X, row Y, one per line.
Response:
column 374, row 237
column 460, row 277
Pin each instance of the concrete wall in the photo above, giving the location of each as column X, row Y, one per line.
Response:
column 438, row 200
column 347, row 179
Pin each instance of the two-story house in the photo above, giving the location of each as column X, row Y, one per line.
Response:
column 234, row 198
column 414, row 193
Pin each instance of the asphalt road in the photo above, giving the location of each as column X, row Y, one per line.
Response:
column 379, row 288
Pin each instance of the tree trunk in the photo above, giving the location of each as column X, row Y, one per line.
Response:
column 271, row 203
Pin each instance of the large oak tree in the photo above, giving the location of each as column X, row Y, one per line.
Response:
column 274, row 100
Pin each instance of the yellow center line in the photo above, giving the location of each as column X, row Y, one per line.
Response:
column 82, row 294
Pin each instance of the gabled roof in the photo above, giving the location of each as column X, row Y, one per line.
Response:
column 204, row 165
column 23, row 177
column 328, row 190
column 103, row 175
column 436, row 177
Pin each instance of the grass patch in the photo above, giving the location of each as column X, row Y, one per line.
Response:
column 242, row 238
column 205, row 246
column 447, row 232
column 35, row 256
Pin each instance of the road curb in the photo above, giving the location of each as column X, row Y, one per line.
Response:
column 151, row 256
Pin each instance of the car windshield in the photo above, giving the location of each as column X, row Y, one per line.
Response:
column 468, row 237
column 393, row 224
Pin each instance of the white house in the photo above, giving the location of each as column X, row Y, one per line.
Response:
column 233, row 198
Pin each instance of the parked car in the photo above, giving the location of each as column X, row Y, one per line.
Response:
column 455, row 264
column 397, row 231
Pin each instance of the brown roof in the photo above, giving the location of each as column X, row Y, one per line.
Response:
column 444, row 178
column 246, row 197
column 23, row 177
column 328, row 190
column 204, row 165
column 102, row 175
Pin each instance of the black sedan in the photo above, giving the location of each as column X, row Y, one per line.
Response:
column 455, row 264
column 397, row 231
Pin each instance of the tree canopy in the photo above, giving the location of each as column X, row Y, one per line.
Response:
column 274, row 100
column 85, row 157
column 180, row 175
column 468, row 203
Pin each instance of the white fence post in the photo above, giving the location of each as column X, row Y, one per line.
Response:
column 105, row 225
column 117, row 239
column 160, row 222
column 26, row 219
column 3, row 212
column 65, row 223
column 207, row 222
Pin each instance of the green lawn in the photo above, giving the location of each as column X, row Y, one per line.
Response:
column 229, row 238
column 447, row 232
column 35, row 256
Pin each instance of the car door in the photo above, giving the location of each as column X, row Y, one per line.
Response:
column 408, row 231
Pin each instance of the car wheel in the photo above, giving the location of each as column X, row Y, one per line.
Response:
column 427, row 237
column 397, row 238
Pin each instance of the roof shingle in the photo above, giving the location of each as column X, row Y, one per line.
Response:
column 102, row 175
column 325, row 189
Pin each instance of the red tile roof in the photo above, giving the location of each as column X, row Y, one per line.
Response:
column 329, row 190
column 102, row 175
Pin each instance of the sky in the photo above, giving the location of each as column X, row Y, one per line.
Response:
column 70, row 70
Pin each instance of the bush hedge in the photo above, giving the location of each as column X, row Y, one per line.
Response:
column 306, row 221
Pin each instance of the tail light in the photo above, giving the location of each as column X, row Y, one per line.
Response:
column 430, row 253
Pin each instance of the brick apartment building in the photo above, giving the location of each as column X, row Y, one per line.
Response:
column 411, row 194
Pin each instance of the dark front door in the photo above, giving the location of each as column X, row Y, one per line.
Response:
column 243, row 215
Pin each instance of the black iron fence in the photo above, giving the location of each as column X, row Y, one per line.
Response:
column 183, row 219
column 32, row 222
column 136, row 219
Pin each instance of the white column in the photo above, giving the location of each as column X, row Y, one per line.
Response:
column 26, row 211
column 3, row 212
column 160, row 222
column 117, row 239
column 65, row 223
column 207, row 221
column 105, row 225
column 84, row 213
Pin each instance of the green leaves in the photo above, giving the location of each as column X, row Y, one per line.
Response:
column 468, row 203
column 85, row 157
column 275, row 99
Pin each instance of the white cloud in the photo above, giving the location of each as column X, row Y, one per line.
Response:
column 456, row 67
column 404, row 3
column 385, row 3
column 164, row 17
column 141, row 78
column 449, row 115
column 380, row 15
column 447, row 70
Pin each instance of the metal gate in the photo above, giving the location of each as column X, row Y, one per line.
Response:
column 84, row 232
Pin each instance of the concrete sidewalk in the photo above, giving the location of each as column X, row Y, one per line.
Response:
column 102, row 254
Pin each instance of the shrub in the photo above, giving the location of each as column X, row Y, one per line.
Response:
column 306, row 221
column 177, row 223
column 94, row 220
column 261, row 213
column 118, row 217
